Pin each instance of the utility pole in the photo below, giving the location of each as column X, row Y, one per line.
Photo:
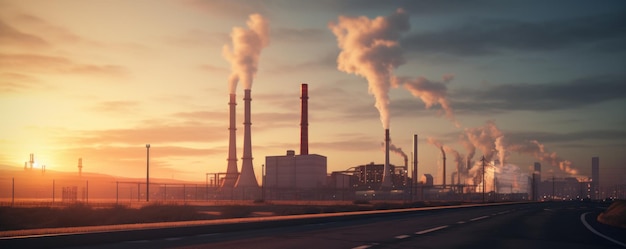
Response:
column 553, row 187
column 147, row 172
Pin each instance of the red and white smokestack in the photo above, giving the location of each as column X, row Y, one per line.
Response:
column 247, row 177
column 304, row 121
column 231, row 170
column 386, row 183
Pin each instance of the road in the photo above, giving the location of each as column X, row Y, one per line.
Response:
column 535, row 225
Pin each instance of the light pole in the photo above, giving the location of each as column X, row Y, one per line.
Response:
column 147, row 172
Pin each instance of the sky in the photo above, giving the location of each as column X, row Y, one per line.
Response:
column 518, row 81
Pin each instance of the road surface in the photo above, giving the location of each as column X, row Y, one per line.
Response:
column 534, row 225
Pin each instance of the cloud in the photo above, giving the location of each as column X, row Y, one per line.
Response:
column 15, row 82
column 300, row 35
column 568, row 94
column 325, row 61
column 226, row 8
column 493, row 36
column 159, row 133
column 11, row 37
column 198, row 38
column 115, row 106
column 35, row 63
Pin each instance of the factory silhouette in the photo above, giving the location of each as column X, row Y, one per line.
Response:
column 305, row 176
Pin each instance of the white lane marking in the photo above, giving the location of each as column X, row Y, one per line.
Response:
column 174, row 239
column 362, row 247
column 582, row 219
column 504, row 212
column 404, row 236
column 431, row 230
column 479, row 218
column 460, row 222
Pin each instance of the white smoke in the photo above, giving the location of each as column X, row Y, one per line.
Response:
column 431, row 93
column 370, row 48
column 245, row 51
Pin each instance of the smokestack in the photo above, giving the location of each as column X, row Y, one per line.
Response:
column 231, row 170
column 304, row 121
column 247, row 177
column 443, row 153
column 80, row 166
column 386, row 183
column 415, row 181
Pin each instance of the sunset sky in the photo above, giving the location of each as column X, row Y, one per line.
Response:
column 98, row 80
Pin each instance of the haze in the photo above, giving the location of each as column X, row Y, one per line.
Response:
column 98, row 80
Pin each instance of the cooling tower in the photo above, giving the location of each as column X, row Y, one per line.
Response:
column 231, row 171
column 304, row 121
column 247, row 178
column 386, row 184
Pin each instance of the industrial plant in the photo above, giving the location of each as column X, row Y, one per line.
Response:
column 305, row 176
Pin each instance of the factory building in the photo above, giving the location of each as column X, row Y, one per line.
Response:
column 293, row 171
column 370, row 176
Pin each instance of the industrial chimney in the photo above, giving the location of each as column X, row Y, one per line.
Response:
column 247, row 178
column 415, row 181
column 304, row 121
column 80, row 166
column 386, row 183
column 231, row 171
column 443, row 153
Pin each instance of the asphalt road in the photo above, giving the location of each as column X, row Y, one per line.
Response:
column 535, row 225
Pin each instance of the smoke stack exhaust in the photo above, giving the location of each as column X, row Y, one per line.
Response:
column 386, row 183
column 304, row 121
column 231, row 170
column 247, row 177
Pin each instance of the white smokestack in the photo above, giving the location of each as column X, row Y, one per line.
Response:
column 247, row 178
column 231, row 170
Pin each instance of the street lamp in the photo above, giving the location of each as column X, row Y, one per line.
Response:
column 147, row 172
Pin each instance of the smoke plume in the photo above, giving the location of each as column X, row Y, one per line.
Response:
column 245, row 51
column 458, row 158
column 396, row 150
column 431, row 93
column 370, row 49
column 538, row 151
column 483, row 138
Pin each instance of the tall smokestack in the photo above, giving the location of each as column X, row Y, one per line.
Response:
column 80, row 166
column 231, row 170
column 443, row 153
column 415, row 181
column 386, row 183
column 247, row 177
column 304, row 121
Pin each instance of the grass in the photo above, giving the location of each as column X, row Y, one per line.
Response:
column 76, row 215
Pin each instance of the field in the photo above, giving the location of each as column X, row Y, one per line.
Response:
column 18, row 218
